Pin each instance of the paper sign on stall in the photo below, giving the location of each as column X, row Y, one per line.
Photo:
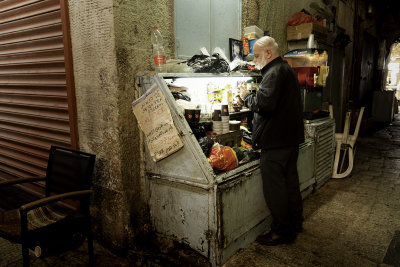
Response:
column 154, row 117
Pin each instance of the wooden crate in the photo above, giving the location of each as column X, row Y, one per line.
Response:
column 232, row 139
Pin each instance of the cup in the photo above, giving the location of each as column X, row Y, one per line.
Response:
column 196, row 118
column 224, row 110
column 189, row 115
column 225, row 119
column 234, row 125
column 216, row 115
column 217, row 127
column 310, row 42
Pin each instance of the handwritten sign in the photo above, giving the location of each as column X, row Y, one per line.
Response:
column 154, row 117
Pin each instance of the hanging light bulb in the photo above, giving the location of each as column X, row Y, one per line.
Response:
column 369, row 10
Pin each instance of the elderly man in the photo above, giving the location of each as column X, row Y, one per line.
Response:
column 278, row 130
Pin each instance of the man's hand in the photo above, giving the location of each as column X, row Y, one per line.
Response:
column 243, row 92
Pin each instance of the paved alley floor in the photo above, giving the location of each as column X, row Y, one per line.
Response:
column 353, row 221
column 10, row 256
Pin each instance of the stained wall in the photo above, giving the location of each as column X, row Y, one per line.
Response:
column 111, row 47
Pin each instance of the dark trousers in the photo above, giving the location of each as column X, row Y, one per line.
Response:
column 281, row 188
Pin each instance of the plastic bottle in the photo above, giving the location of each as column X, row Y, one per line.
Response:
column 159, row 60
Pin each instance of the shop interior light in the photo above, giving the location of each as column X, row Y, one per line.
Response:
column 208, row 93
column 197, row 87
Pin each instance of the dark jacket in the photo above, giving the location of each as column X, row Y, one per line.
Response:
column 277, row 107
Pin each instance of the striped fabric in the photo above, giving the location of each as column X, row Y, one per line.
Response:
column 10, row 220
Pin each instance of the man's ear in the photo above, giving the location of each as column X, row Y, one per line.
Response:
column 268, row 53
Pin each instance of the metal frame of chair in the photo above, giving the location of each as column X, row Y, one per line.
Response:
column 68, row 176
column 346, row 143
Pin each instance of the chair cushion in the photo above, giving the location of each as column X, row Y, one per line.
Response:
column 10, row 225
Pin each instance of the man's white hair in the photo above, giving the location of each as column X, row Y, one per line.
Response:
column 268, row 43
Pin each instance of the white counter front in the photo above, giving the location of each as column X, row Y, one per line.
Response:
column 213, row 214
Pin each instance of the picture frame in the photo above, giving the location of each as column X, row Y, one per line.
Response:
column 235, row 49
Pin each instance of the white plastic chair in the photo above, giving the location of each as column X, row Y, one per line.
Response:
column 345, row 142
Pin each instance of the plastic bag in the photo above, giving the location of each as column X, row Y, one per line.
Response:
column 218, row 51
column 301, row 18
column 206, row 145
column 223, row 158
column 199, row 132
column 178, row 66
column 250, row 155
column 179, row 95
column 208, row 64
column 245, row 145
column 238, row 64
column 239, row 153
column 204, row 51
column 247, row 137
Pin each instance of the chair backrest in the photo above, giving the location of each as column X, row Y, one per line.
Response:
column 68, row 170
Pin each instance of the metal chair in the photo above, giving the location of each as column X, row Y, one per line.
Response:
column 45, row 221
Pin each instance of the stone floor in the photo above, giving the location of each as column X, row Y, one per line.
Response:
column 348, row 222
column 10, row 256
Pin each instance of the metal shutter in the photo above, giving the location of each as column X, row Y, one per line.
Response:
column 37, row 100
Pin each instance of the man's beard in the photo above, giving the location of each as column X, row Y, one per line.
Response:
column 261, row 64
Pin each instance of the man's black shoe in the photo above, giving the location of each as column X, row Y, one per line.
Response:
column 273, row 239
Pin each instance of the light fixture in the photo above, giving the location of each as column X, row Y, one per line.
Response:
column 370, row 9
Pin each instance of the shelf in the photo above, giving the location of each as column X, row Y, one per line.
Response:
column 239, row 114
column 196, row 75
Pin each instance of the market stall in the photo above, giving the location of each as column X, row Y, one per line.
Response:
column 213, row 212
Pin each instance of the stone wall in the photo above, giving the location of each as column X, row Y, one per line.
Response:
column 110, row 46
column 274, row 15
column 250, row 13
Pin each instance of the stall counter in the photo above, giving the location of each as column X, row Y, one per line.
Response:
column 215, row 215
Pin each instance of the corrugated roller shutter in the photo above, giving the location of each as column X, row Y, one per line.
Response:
column 35, row 111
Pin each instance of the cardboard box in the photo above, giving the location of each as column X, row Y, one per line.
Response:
column 253, row 32
column 303, row 31
column 233, row 138
column 251, row 36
